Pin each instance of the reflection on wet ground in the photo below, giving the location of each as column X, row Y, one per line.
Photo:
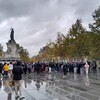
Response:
column 54, row 87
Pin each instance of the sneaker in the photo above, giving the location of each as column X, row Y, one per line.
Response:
column 22, row 97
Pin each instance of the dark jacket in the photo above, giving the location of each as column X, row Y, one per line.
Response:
column 17, row 72
column 1, row 67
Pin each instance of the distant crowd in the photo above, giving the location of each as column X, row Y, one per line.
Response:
column 51, row 67
column 61, row 67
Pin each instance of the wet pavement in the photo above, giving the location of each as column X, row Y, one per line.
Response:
column 55, row 86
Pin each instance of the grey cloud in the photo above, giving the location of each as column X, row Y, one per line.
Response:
column 38, row 9
column 37, row 21
column 15, row 8
column 85, row 8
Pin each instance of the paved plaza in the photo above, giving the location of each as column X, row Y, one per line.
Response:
column 55, row 86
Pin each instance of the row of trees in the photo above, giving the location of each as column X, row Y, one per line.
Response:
column 78, row 43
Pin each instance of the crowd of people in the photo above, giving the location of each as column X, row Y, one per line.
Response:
column 14, row 71
column 62, row 67
column 40, row 67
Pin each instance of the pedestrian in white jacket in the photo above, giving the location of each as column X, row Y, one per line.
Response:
column 86, row 68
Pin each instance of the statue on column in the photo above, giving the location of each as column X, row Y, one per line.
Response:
column 12, row 35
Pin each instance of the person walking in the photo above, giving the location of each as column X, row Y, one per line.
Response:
column 29, row 66
column 10, row 70
column 1, row 67
column 17, row 77
column 24, row 65
column 38, row 66
column 49, row 70
column 65, row 69
column 86, row 68
column 5, row 69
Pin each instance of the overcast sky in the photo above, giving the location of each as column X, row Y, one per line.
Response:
column 37, row 21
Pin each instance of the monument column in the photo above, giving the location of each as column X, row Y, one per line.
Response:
column 12, row 51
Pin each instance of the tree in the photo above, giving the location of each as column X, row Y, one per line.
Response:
column 59, row 50
column 24, row 55
column 95, row 29
column 76, row 29
column 95, row 26
column 76, row 39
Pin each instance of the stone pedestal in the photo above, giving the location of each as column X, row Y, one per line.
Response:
column 12, row 52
